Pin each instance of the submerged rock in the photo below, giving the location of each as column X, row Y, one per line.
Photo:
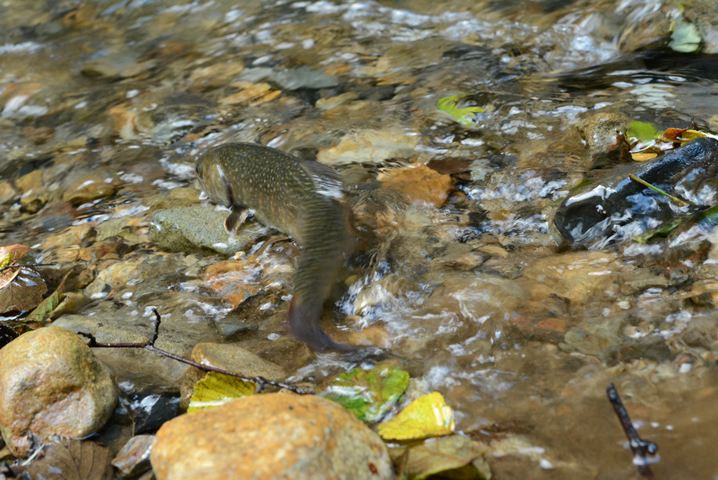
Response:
column 134, row 458
column 601, row 208
column 51, row 384
column 419, row 185
column 270, row 436
column 200, row 227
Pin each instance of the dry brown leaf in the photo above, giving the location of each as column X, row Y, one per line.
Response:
column 672, row 134
column 21, row 289
column 67, row 459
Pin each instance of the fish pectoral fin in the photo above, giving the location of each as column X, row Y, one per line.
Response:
column 327, row 181
column 237, row 218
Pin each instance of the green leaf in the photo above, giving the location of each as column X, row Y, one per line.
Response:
column 457, row 106
column 685, row 36
column 368, row 394
column 46, row 307
column 642, row 131
column 453, row 456
column 661, row 231
column 45, row 310
column 217, row 389
column 427, row 416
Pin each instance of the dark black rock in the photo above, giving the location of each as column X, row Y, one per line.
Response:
column 151, row 408
column 595, row 211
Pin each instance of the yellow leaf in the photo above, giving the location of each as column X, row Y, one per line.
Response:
column 217, row 389
column 9, row 254
column 689, row 135
column 643, row 156
column 427, row 416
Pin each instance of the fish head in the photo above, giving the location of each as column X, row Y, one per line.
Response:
column 213, row 179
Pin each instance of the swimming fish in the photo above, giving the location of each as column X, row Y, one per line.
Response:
column 298, row 198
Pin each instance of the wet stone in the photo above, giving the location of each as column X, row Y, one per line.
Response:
column 151, row 407
column 651, row 347
column 600, row 337
column 599, row 130
column 419, row 185
column 134, row 458
column 597, row 210
column 87, row 189
column 576, row 276
column 249, row 438
column 7, row 192
column 200, row 228
column 304, row 77
column 369, row 146
column 229, row 357
column 71, row 394
column 233, row 326
column 236, row 359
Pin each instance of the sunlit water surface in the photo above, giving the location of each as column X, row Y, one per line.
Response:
column 523, row 342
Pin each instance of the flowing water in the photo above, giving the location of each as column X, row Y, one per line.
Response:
column 476, row 295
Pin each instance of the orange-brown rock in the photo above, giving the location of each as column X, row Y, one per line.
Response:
column 420, row 185
column 51, row 384
column 275, row 435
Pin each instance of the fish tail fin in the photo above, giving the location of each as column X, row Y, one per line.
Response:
column 303, row 324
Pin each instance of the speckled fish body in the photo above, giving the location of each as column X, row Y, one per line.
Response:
column 299, row 198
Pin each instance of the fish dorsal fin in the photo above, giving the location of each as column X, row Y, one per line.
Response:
column 326, row 180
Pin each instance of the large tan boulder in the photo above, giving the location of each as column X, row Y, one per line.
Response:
column 275, row 435
column 51, row 384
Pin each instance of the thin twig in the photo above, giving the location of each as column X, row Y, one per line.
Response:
column 678, row 201
column 21, row 265
column 641, row 448
column 261, row 382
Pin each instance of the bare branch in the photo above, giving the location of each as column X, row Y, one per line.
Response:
column 261, row 382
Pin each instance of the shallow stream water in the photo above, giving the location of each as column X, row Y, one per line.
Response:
column 476, row 296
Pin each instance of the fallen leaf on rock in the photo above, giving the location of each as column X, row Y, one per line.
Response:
column 642, row 131
column 453, row 456
column 67, row 459
column 672, row 134
column 368, row 394
column 643, row 157
column 69, row 302
column 217, row 389
column 427, row 416
column 9, row 254
column 460, row 108
column 21, row 289
column 689, row 135
column 56, row 304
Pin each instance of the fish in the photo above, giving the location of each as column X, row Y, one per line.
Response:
column 300, row 198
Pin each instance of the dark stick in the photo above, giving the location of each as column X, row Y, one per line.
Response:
column 21, row 265
column 639, row 447
column 261, row 382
